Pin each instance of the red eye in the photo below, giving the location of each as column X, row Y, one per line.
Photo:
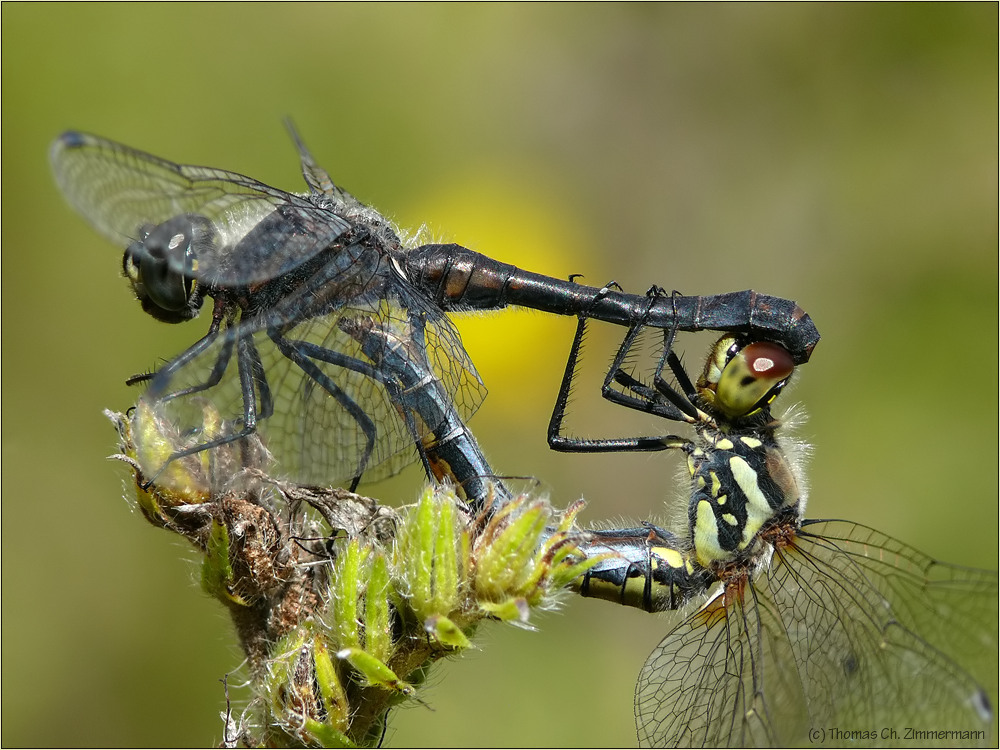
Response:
column 751, row 379
column 767, row 360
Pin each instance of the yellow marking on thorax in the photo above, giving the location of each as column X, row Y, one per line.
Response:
column 758, row 510
column 716, row 484
column 706, row 535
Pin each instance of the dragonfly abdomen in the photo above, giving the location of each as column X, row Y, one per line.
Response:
column 459, row 279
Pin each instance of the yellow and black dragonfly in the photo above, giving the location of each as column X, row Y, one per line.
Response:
column 798, row 631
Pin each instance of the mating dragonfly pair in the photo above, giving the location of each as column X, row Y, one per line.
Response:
column 329, row 340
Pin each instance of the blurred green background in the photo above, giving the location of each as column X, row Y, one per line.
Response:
column 842, row 156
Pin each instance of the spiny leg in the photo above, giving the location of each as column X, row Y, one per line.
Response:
column 558, row 441
column 679, row 407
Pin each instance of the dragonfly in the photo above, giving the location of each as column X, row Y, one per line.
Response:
column 307, row 291
column 798, row 631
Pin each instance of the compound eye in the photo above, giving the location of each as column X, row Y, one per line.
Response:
column 166, row 287
column 753, row 378
column 160, row 268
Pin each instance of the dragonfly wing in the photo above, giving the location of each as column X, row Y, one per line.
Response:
column 321, row 423
column 328, row 408
column 258, row 231
column 422, row 371
column 446, row 355
column 847, row 637
column 698, row 687
column 893, row 639
column 317, row 178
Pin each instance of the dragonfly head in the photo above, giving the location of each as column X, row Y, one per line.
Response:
column 743, row 377
column 161, row 267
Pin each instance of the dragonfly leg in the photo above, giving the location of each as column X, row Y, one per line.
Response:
column 567, row 444
column 252, row 381
column 302, row 353
column 677, row 408
column 160, row 380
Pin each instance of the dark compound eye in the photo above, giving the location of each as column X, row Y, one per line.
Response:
column 752, row 378
column 161, row 268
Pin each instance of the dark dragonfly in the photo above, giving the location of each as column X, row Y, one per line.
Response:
column 311, row 307
column 307, row 289
column 810, row 631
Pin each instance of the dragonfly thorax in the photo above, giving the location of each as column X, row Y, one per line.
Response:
column 739, row 483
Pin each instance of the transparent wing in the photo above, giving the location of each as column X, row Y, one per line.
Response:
column 847, row 631
column 937, row 624
column 318, row 179
column 697, row 688
column 330, row 407
column 121, row 190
